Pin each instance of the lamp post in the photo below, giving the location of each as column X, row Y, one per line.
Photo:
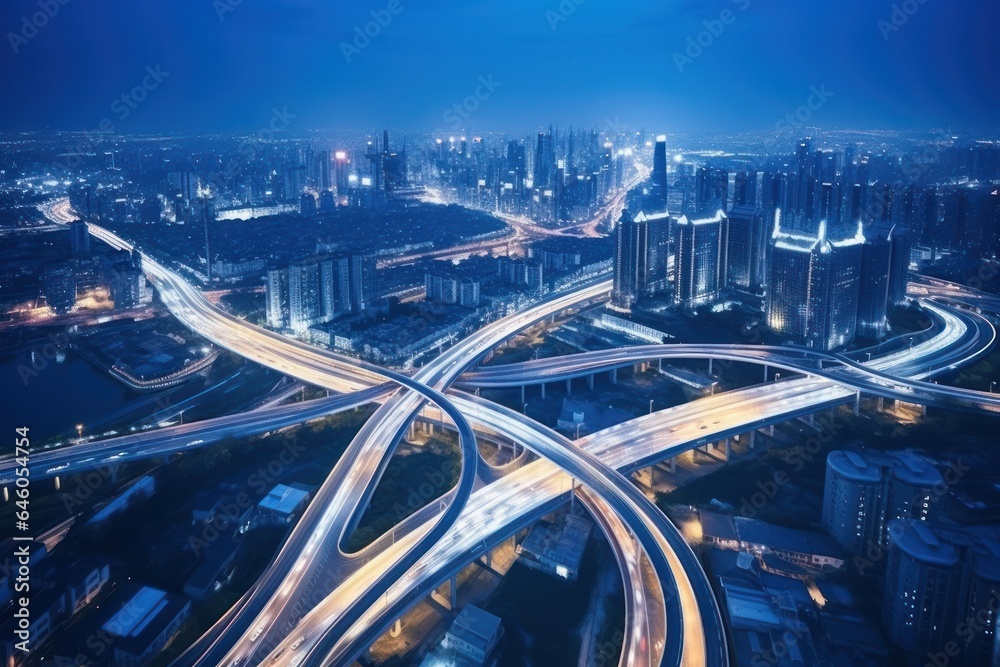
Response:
column 525, row 408
column 79, row 430
column 777, row 376
column 992, row 385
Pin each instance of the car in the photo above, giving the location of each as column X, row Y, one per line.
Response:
column 298, row 642
column 256, row 633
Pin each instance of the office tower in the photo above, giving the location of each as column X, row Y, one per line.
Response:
column 341, row 171
column 942, row 584
column 701, row 262
column 294, row 182
column 304, row 303
column 659, row 233
column 747, row 240
column 276, row 298
column 545, row 161
column 126, row 281
column 873, row 295
column 630, row 262
column 319, row 169
column 60, row 287
column 658, row 179
column 363, row 282
column 899, row 264
column 813, row 287
column 711, row 189
column 79, row 239
column 307, row 204
column 468, row 293
column 864, row 491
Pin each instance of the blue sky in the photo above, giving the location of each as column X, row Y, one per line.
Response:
column 602, row 61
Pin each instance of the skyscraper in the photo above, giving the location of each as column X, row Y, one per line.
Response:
column 658, row 179
column 873, row 295
column 277, row 298
column 630, row 262
column 60, row 287
column 700, row 264
column 79, row 239
column 747, row 241
column 899, row 264
column 304, row 307
column 363, row 282
column 813, row 287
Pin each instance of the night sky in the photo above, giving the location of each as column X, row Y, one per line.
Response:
column 599, row 64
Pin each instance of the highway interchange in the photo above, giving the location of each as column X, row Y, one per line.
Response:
column 316, row 604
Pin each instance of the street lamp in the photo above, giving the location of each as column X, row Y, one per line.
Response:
column 992, row 384
column 525, row 408
column 79, row 430
column 777, row 376
column 869, row 356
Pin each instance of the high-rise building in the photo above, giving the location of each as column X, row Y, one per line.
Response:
column 866, row 490
column 700, row 264
column 658, row 239
column 899, row 264
column 658, row 179
column 60, row 287
column 630, row 262
column 126, row 281
column 468, row 293
column 304, row 302
column 813, row 288
column 942, row 584
column 441, row 288
column 747, row 250
column 363, row 282
column 276, row 298
column 79, row 239
column 873, row 295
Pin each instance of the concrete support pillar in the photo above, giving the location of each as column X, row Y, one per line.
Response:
column 659, row 364
column 710, row 365
column 397, row 628
column 765, row 372
column 522, row 395
column 812, row 419
column 923, row 410
column 652, row 476
column 772, row 430
column 572, row 494
column 614, row 376
column 753, row 438
column 590, row 381
column 673, row 463
column 453, row 585
column 114, row 474
column 881, row 404
column 728, row 448
column 569, row 387
column 57, row 483
column 857, row 404
column 543, row 390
